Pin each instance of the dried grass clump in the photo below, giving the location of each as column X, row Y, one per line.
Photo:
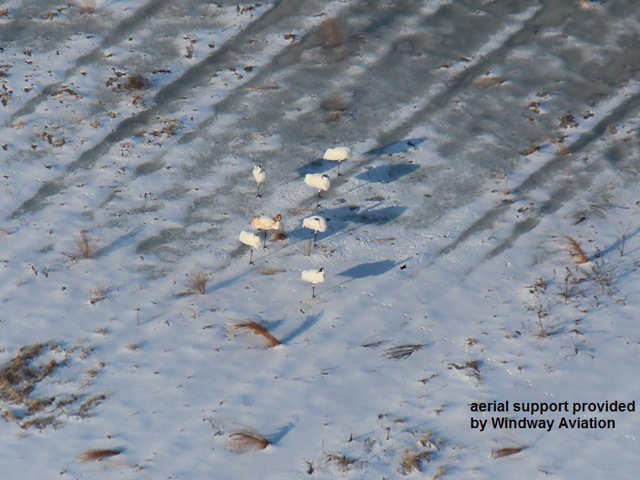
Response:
column 97, row 455
column 135, row 81
column 563, row 149
column 471, row 368
column 247, row 440
column 198, row 282
column 18, row 376
column 506, row 451
column 97, row 294
column 402, row 351
column 256, row 329
column 485, row 82
column 85, row 244
column 576, row 250
column 88, row 6
column 413, row 460
column 333, row 32
column 270, row 271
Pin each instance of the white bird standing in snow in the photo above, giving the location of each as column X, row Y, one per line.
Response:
column 315, row 223
column 317, row 180
column 264, row 223
column 259, row 175
column 313, row 277
column 251, row 240
column 338, row 154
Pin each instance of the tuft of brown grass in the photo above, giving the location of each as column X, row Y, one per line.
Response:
column 485, row 82
column 247, row 440
column 333, row 32
column 256, row 329
column 198, row 282
column 402, row 351
column 506, row 451
column 563, row 149
column 135, row 81
column 413, row 460
column 97, row 294
column 97, row 455
column 270, row 271
column 85, row 245
column 88, row 6
column 576, row 250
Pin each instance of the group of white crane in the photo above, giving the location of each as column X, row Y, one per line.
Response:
column 265, row 224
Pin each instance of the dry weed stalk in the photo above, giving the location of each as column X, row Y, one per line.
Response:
column 97, row 294
column 576, row 251
column 402, row 351
column 506, row 451
column 257, row 329
column 97, row 455
column 247, row 440
column 270, row 271
column 198, row 282
column 85, row 245
column 485, row 82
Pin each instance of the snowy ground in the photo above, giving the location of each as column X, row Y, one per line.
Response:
column 482, row 244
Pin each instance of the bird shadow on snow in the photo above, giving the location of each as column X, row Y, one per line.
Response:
column 388, row 173
column 278, row 434
column 309, row 322
column 339, row 219
column 371, row 269
column 315, row 166
column 397, row 147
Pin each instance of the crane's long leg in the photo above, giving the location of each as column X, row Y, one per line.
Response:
column 315, row 233
column 313, row 291
column 258, row 195
column 251, row 257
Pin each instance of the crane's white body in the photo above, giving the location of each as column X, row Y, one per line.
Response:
column 338, row 154
column 265, row 223
column 315, row 223
column 318, row 180
column 259, row 174
column 313, row 276
column 250, row 239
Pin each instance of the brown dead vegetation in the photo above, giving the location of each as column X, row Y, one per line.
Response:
column 576, row 250
column 256, row 329
column 247, row 440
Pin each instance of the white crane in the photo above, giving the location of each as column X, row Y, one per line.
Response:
column 259, row 175
column 313, row 277
column 264, row 224
column 315, row 223
column 251, row 240
column 337, row 154
column 318, row 180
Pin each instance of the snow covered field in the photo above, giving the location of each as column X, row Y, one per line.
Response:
column 482, row 242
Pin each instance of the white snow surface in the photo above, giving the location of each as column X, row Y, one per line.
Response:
column 491, row 146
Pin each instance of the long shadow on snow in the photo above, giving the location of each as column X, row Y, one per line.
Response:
column 371, row 269
column 397, row 147
column 388, row 173
column 309, row 322
column 162, row 102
